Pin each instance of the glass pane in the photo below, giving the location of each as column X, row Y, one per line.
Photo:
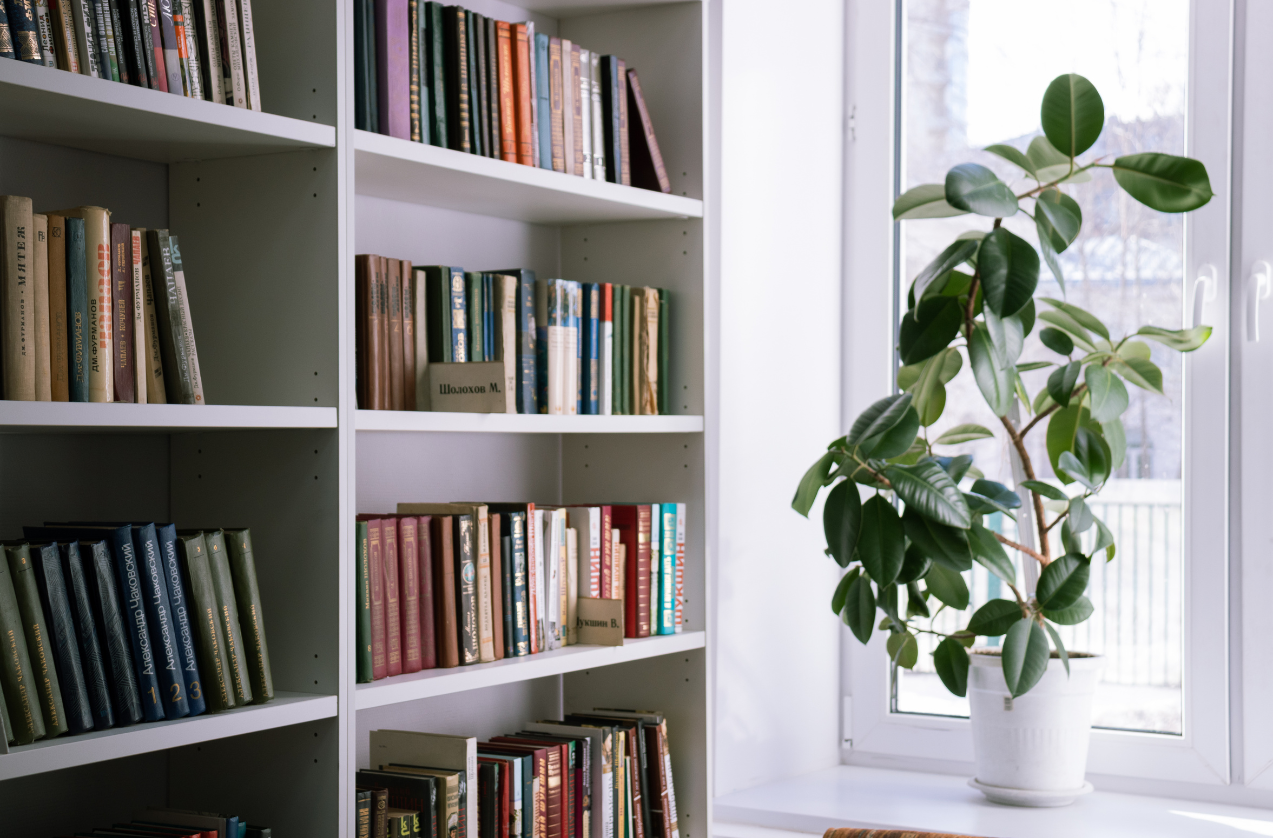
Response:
column 974, row 74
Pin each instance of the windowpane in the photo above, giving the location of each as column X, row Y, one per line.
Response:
column 974, row 74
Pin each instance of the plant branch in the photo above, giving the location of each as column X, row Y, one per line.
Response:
column 1027, row 466
column 1058, row 520
column 1043, row 187
column 1007, row 542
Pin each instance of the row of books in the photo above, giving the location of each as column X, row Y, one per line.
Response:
column 600, row 774
column 204, row 49
column 454, row 584
column 80, row 319
column 114, row 624
column 453, row 78
column 163, row 822
column 566, row 347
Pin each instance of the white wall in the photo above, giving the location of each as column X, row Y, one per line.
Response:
column 777, row 642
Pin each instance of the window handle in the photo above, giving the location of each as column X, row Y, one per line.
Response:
column 1258, row 287
column 1204, row 291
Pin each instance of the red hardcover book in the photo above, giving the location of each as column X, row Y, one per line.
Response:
column 409, row 593
column 522, row 94
column 625, row 150
column 157, row 42
column 125, row 364
column 556, row 105
column 424, row 549
column 536, row 808
column 648, row 171
column 393, row 67
column 393, row 612
column 379, row 645
column 656, row 770
column 444, row 621
column 408, row 337
column 503, row 802
column 507, row 91
column 393, row 282
column 556, row 810
column 497, row 585
column 633, row 524
column 382, row 314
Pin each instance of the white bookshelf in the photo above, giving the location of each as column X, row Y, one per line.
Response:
column 271, row 209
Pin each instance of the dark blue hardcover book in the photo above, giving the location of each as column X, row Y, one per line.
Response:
column 61, row 629
column 163, row 631
column 186, row 655
column 527, row 355
column 506, row 583
column 24, row 32
column 6, row 39
column 576, row 332
column 591, row 344
column 521, row 600
column 611, row 89
column 459, row 319
column 77, row 309
column 87, row 633
column 544, row 110
column 120, row 667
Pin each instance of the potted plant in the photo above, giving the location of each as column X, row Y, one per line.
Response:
column 975, row 303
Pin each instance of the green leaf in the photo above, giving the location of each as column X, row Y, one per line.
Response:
column 1071, row 615
column 1104, row 541
column 930, row 386
column 929, row 328
column 1045, row 489
column 1025, row 656
column 911, row 455
column 887, row 602
column 1060, row 647
column 1044, row 155
column 877, row 420
column 925, row 201
column 1062, row 428
column 1116, row 438
column 1144, row 374
column 976, row 189
column 950, row 659
column 882, row 541
column 1014, row 156
column 902, row 649
column 964, row 433
column 1181, row 340
column 955, row 254
column 1031, row 366
column 842, row 591
column 956, row 467
column 1070, row 542
column 1063, row 581
column 1007, row 335
column 812, row 482
column 993, row 375
column 1072, row 115
column 897, row 440
column 1162, row 181
column 1093, row 456
column 1134, row 349
column 859, row 609
column 1062, row 380
column 1061, row 218
column 914, row 565
column 916, row 603
column 929, row 489
column 842, row 521
column 995, row 618
column 1049, row 252
column 1081, row 337
column 990, row 554
column 943, row 544
column 1058, row 341
column 997, row 492
column 1081, row 518
column 1109, row 394
column 948, row 586
column 1084, row 318
column 1009, row 269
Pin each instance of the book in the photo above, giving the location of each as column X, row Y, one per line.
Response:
column 664, row 360
column 420, row 319
column 612, row 93
column 596, row 744
column 208, row 36
column 393, row 68
column 177, row 365
column 111, row 58
column 171, row 46
column 480, row 83
column 625, row 145
column 605, row 348
column 557, row 137
column 572, row 584
column 585, row 112
column 466, row 589
column 362, row 814
column 505, row 335
column 83, row 29
column 367, row 325
column 186, row 320
column 108, row 613
column 17, row 298
column 521, row 605
column 393, row 605
column 524, row 93
column 507, row 67
column 77, row 312
column 247, row 595
column 459, row 114
column 152, row 37
column 490, row 60
column 40, row 313
column 425, row 574
column 191, row 65
column 248, row 32
column 414, row 66
column 475, row 350
column 439, row 86
column 408, row 307
column 393, row 304
column 98, row 280
column 233, row 60
column 506, row 585
column 124, row 363
column 131, row 19
column 474, row 104
column 88, row 635
column 17, row 677
column 496, row 571
column 379, row 618
column 598, row 129
column 377, row 797
column 590, row 346
column 156, row 392
column 159, row 619
column 409, row 593
column 434, row 750
column 575, row 113
column 24, row 32
column 138, row 346
column 182, row 613
column 68, row 57
column 415, row 788
column 40, row 639
column 120, row 39
column 366, row 106
column 446, row 628
column 212, row 646
column 362, row 614
column 649, row 346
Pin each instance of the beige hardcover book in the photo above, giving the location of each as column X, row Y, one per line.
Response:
column 232, row 47
column 85, row 37
column 139, row 324
column 187, row 321
column 419, row 297
column 506, row 336
column 40, row 315
column 59, row 335
column 572, row 584
column 101, row 345
column 620, row 554
column 650, row 353
column 569, row 92
column 151, row 358
column 435, row 750
column 249, row 55
column 68, row 57
column 17, row 281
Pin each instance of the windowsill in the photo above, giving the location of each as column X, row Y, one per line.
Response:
column 878, row 798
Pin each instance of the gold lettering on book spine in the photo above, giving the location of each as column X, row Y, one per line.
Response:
column 22, row 687
column 43, row 659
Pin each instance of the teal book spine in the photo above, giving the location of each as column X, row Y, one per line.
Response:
column 362, row 625
column 542, row 88
column 48, row 688
column 459, row 317
column 668, row 569
column 61, row 637
column 474, row 309
column 77, row 309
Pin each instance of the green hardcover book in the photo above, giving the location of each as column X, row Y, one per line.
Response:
column 414, row 65
column 178, row 368
column 246, row 593
column 624, row 350
column 473, row 298
column 6, row 727
column 39, row 646
column 435, row 58
column 438, row 311
column 214, row 665
column 228, row 613
column 362, row 628
column 664, row 331
column 16, row 675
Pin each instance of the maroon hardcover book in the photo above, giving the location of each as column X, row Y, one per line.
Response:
column 157, row 45
column 382, row 314
column 633, row 524
column 555, row 778
column 408, row 337
column 648, row 171
column 393, row 616
column 424, row 548
column 444, row 621
column 393, row 67
column 125, row 365
column 497, row 585
column 409, row 592
column 375, row 553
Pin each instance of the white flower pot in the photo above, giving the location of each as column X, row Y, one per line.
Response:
column 1031, row 750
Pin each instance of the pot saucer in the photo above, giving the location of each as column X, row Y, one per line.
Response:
column 1029, row 797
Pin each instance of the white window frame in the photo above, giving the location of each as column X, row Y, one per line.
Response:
column 1130, row 761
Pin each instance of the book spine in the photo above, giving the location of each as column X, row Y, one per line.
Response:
column 17, row 268
column 68, row 57
column 379, row 637
column 6, row 51
column 625, row 149
column 48, row 689
column 574, row 353
column 521, row 611
column 507, row 564
column 444, row 592
column 362, row 625
column 383, row 359
column 97, row 246
column 214, row 662
column 155, row 389
column 185, row 319
column 163, row 633
column 40, row 319
column 364, row 61
column 664, row 349
column 87, row 633
column 123, row 364
column 44, row 26
column 176, row 363
column 610, row 107
column 585, row 111
column 475, row 102
column 514, row 122
column 543, row 97
column 147, row 20
column 484, row 590
column 25, row 32
column 498, row 559
column 61, row 637
column 414, row 66
column 251, row 77
column 232, row 60
column 606, row 350
column 650, row 351
column 569, row 92
column 207, row 15
column 138, row 345
column 180, row 616
column 527, row 384
column 459, row 115
column 133, row 596
column 439, row 85
column 556, row 105
column 130, row 13
column 466, row 589
column 597, row 127
column 393, row 303
column 605, row 559
column 247, row 595
column 506, row 336
column 115, row 636
column 667, row 569
column 481, row 100
column 393, row 67
column 17, row 678
column 77, row 312
column 409, row 594
column 85, row 41
column 393, row 605
column 228, row 616
column 103, row 42
column 473, row 311
column 408, row 305
column 119, row 41
column 574, row 114
column 458, row 326
column 425, row 575
column 643, row 568
column 592, row 345
column 172, row 46
column 190, row 65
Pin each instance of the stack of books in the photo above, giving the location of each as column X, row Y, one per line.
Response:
column 454, row 584
column 449, row 77
column 566, row 347
column 203, row 49
column 112, row 624
column 162, row 822
column 93, row 310
column 604, row 773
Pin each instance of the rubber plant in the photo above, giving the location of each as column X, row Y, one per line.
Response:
column 976, row 303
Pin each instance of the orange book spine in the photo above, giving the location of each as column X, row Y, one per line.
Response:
column 507, row 92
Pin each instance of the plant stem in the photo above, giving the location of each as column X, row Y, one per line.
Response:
column 1027, row 466
column 1058, row 519
column 1024, row 549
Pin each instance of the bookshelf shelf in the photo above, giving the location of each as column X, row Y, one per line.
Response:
column 436, row 682
column 96, row 746
column 97, row 115
column 27, row 417
column 517, row 423
column 388, row 167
